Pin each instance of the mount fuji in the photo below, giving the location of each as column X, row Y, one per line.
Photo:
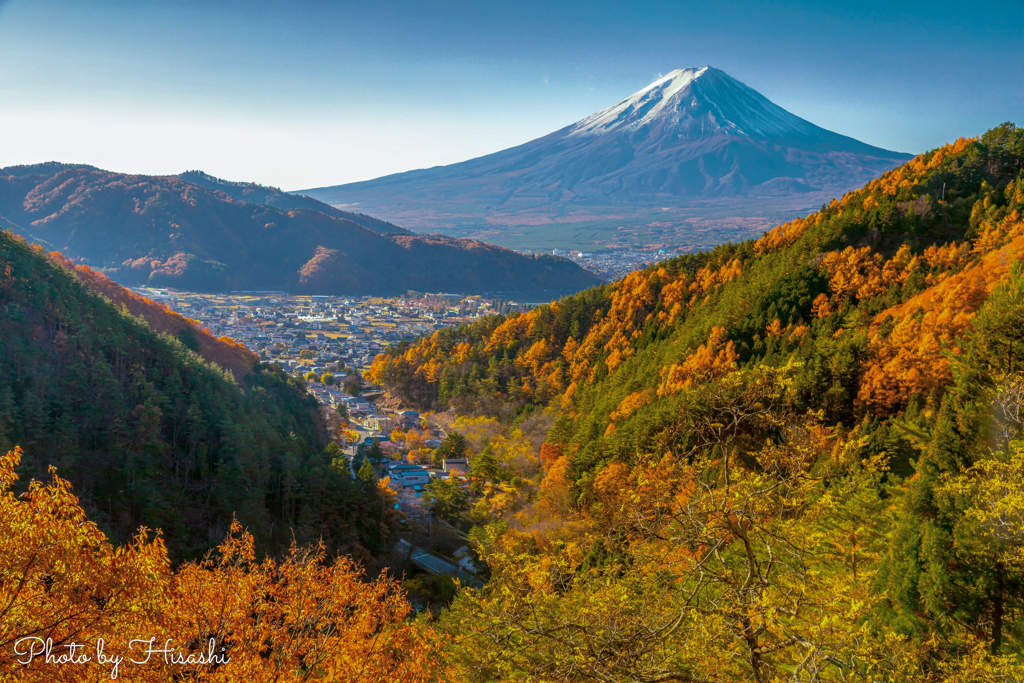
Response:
column 693, row 159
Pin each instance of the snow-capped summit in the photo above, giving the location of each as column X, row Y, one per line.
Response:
column 664, row 97
column 697, row 103
column 693, row 133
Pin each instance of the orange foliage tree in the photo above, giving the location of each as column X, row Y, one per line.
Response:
column 712, row 359
column 71, row 604
column 909, row 341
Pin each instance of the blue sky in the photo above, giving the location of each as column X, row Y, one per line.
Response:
column 301, row 93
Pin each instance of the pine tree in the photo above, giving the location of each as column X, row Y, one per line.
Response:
column 454, row 447
column 485, row 465
column 375, row 454
column 999, row 329
column 35, row 421
column 937, row 576
column 366, row 472
column 66, row 439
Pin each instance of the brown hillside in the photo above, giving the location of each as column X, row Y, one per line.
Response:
column 165, row 232
column 223, row 351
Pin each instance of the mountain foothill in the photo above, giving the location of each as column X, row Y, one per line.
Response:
column 157, row 423
column 791, row 458
column 252, row 193
column 165, row 231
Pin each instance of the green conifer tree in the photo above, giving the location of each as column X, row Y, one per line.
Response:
column 485, row 465
column 366, row 472
column 938, row 576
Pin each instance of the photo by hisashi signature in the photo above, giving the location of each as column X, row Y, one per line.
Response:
column 140, row 651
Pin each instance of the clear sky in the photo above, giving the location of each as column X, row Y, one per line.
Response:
column 303, row 93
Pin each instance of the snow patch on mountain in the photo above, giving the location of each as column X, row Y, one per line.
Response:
column 696, row 103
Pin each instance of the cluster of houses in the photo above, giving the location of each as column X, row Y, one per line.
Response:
column 341, row 336
column 409, row 480
column 613, row 264
column 324, row 333
column 405, row 478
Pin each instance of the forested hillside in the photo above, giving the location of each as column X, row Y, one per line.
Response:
column 934, row 234
column 165, row 232
column 222, row 351
column 795, row 458
column 152, row 434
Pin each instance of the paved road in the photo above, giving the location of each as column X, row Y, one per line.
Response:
column 350, row 450
column 433, row 563
column 439, row 428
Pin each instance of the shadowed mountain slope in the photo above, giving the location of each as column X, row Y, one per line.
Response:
column 152, row 433
column 164, row 231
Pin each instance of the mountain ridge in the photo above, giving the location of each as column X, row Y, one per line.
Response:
column 870, row 351
column 164, row 231
column 253, row 193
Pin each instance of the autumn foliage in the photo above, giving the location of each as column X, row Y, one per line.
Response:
column 223, row 351
column 921, row 294
column 792, row 459
column 299, row 618
column 152, row 433
column 788, row 459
